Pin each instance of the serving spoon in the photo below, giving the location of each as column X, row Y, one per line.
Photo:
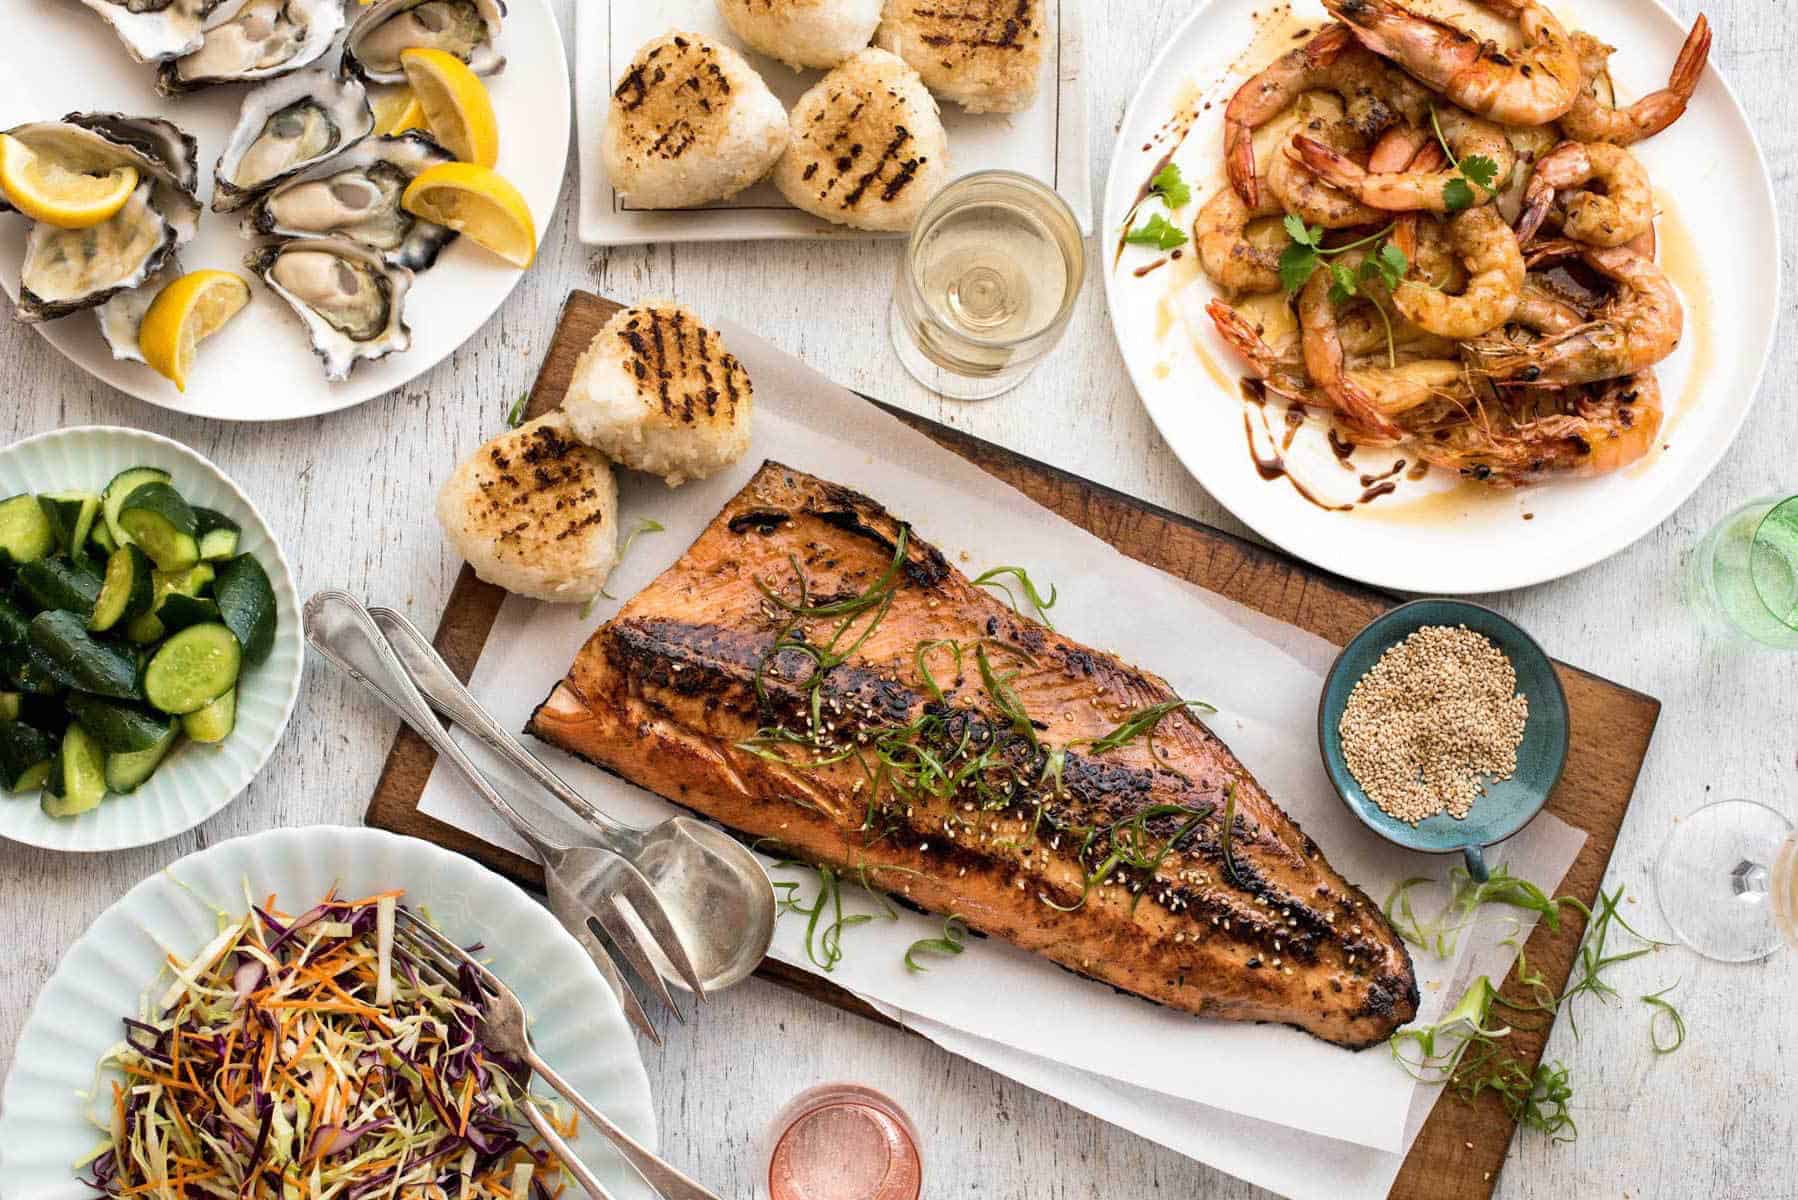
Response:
column 712, row 887
column 585, row 882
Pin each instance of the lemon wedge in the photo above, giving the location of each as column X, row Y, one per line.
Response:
column 49, row 192
column 398, row 110
column 184, row 314
column 477, row 201
column 455, row 104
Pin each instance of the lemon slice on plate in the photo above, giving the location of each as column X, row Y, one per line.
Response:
column 49, row 192
column 477, row 201
column 455, row 104
column 397, row 110
column 184, row 313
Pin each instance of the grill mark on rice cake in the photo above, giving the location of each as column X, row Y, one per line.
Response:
column 693, row 69
column 846, row 128
column 663, row 693
column 553, row 463
column 704, row 376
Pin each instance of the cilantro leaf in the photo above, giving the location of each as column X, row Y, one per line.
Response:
column 1342, row 285
column 1158, row 232
column 1297, row 262
column 1390, row 265
column 1295, row 229
column 515, row 414
column 1480, row 170
column 1457, row 195
column 1170, row 187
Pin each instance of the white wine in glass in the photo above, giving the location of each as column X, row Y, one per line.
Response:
column 1727, row 881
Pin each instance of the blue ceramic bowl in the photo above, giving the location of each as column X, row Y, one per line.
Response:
column 1507, row 806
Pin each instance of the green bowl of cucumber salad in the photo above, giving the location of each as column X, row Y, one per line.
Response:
column 150, row 649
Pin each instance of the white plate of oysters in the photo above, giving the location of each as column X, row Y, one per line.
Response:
column 203, row 95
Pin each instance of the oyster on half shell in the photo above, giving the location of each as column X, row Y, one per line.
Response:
column 257, row 39
column 286, row 126
column 156, row 30
column 468, row 29
column 356, row 195
column 349, row 298
column 65, row 270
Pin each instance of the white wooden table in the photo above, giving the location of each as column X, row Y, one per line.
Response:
column 1718, row 1119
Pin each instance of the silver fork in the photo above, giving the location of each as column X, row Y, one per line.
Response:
column 340, row 629
column 504, row 1028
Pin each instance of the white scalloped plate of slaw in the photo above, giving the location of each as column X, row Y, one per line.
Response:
column 1719, row 244
column 575, row 1020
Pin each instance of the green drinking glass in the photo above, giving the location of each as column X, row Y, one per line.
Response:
column 1743, row 578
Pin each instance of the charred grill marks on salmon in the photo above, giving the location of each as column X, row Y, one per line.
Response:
column 813, row 673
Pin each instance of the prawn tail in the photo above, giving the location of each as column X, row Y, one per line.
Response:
column 1239, row 163
column 1534, row 213
column 1241, row 336
column 1689, row 66
column 1327, row 164
column 1359, row 408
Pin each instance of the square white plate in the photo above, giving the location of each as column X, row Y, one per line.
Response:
column 1047, row 141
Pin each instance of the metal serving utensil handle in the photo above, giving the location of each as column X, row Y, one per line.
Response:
column 448, row 696
column 341, row 630
column 564, row 1153
column 663, row 1177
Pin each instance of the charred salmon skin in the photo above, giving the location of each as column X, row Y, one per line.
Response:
column 813, row 673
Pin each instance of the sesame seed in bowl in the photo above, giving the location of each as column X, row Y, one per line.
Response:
column 1443, row 727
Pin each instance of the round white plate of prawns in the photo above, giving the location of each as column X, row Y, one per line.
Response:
column 1424, row 291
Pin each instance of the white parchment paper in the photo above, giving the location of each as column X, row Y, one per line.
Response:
column 1263, row 678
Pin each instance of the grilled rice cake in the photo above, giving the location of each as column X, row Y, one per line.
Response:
column 986, row 55
column 868, row 146
column 986, row 780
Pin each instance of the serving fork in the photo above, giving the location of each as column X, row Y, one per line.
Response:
column 712, row 887
column 584, row 882
column 504, row 1030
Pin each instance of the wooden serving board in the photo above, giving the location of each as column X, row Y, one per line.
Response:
column 1462, row 1147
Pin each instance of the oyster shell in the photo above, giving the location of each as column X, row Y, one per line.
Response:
column 97, row 142
column 121, row 316
column 351, row 300
column 286, row 126
column 356, row 195
column 156, row 30
column 468, row 29
column 260, row 39
column 66, row 270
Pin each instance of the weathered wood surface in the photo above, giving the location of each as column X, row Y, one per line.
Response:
column 1719, row 1119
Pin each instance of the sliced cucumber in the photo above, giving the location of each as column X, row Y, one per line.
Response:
column 59, row 583
column 193, row 668
column 125, row 592
column 102, row 538
column 120, row 489
column 117, row 726
column 126, row 772
column 15, row 626
column 148, row 627
column 71, row 516
column 78, row 660
column 219, row 534
column 32, row 672
column 11, row 705
column 177, row 611
column 247, row 604
column 26, row 533
column 77, row 781
column 24, row 752
column 214, row 722
column 156, row 517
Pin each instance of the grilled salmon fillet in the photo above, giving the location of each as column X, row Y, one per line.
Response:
column 813, row 673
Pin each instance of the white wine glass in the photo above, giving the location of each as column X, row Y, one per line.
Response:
column 1727, row 881
column 988, row 282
